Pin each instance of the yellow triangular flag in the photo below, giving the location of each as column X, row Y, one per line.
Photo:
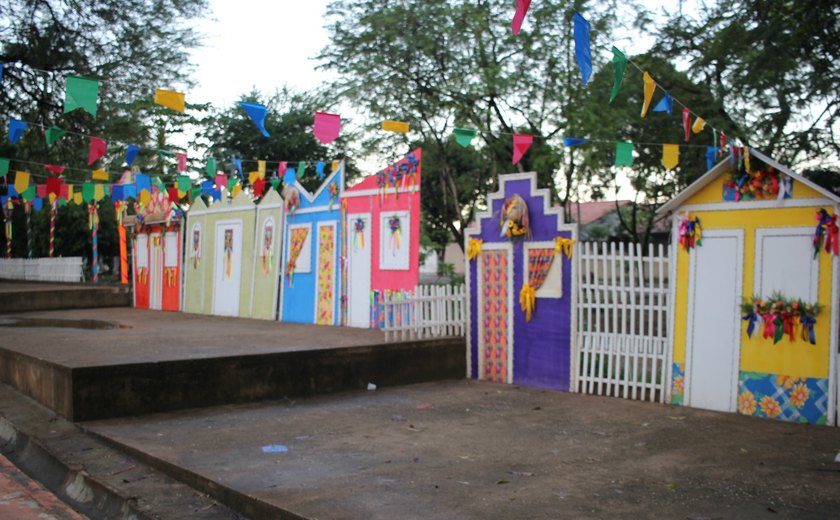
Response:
column 253, row 176
column 170, row 99
column 77, row 199
column 100, row 175
column 69, row 192
column 395, row 126
column 698, row 126
column 236, row 189
column 98, row 192
column 145, row 197
column 335, row 166
column 51, row 197
column 260, row 170
column 650, row 88
column 21, row 181
column 670, row 156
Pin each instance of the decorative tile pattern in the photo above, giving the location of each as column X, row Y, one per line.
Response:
column 787, row 398
column 326, row 275
column 494, row 315
column 678, row 384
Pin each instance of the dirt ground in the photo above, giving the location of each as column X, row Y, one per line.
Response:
column 465, row 449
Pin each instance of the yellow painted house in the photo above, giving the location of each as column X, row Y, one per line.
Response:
column 754, row 325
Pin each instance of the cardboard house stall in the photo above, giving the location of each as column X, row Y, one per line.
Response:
column 382, row 215
column 265, row 282
column 755, row 292
column 520, row 250
column 156, row 260
column 220, row 257
column 311, row 251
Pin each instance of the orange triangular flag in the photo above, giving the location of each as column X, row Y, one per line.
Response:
column 650, row 88
column 670, row 156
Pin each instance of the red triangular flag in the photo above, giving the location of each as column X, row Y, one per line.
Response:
column 182, row 162
column 221, row 180
column 521, row 8
column 173, row 194
column 41, row 190
column 722, row 142
column 686, row 117
column 53, row 169
column 327, row 127
column 97, row 149
column 259, row 187
column 54, row 186
column 521, row 143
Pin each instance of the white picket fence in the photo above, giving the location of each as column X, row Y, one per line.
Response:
column 63, row 269
column 622, row 324
column 432, row 311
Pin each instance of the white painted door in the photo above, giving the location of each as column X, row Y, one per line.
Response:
column 714, row 334
column 155, row 273
column 359, row 249
column 227, row 268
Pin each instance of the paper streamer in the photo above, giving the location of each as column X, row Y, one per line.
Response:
column 257, row 114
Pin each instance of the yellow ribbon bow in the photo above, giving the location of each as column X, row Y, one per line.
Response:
column 564, row 245
column 474, row 248
column 528, row 300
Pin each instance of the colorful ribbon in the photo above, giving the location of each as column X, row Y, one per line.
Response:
column 808, row 323
column 564, row 245
column 752, row 322
column 474, row 248
column 769, row 325
column 527, row 300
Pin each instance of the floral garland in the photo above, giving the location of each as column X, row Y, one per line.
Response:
column 398, row 173
column 780, row 316
column 762, row 184
column 827, row 233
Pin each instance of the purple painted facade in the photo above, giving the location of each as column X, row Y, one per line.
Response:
column 541, row 347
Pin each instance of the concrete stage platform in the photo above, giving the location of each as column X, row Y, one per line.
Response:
column 41, row 296
column 88, row 364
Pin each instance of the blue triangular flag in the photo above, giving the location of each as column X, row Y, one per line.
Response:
column 574, row 141
column 257, row 114
column 289, row 177
column 237, row 163
column 16, row 129
column 12, row 191
column 216, row 193
column 582, row 52
column 711, row 153
column 1, row 73
column 207, row 187
column 117, row 192
column 666, row 104
column 131, row 154
column 129, row 191
column 4, row 199
column 142, row 181
column 38, row 204
column 319, row 169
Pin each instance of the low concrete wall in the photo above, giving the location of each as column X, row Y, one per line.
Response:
column 63, row 297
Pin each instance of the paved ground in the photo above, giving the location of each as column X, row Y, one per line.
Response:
column 21, row 498
column 476, row 450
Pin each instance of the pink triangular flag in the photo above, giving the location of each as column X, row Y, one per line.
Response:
column 521, row 8
column 281, row 169
column 54, row 169
column 521, row 143
column 41, row 190
column 97, row 149
column 686, row 117
column 182, row 162
column 221, row 180
column 327, row 126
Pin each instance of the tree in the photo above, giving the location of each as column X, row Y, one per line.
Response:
column 775, row 64
column 440, row 64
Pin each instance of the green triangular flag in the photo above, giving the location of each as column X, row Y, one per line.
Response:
column 275, row 183
column 4, row 167
column 231, row 183
column 53, row 134
column 623, row 153
column 165, row 153
column 619, row 64
column 62, row 202
column 301, row 169
column 211, row 167
column 30, row 193
column 88, row 191
column 195, row 193
column 183, row 183
column 158, row 183
column 464, row 136
column 81, row 93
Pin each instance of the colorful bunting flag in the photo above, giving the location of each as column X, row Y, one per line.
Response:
column 253, row 177
column 38, row 204
column 281, row 169
column 183, row 183
column 21, row 181
column 117, row 193
column 619, row 64
column 666, row 104
column 583, row 54
column 574, row 141
column 142, row 181
column 650, row 88
column 519, row 16
column 97, row 149
column 81, row 93
column 521, row 143
column 319, row 170
column 41, row 190
column 221, row 180
column 464, row 136
column 257, row 114
column 170, row 99
column 686, row 119
column 259, row 187
column 301, row 169
column 711, row 152
column 722, row 142
column 289, row 177
column 87, row 192
column 335, row 165
column 98, row 192
column 1, row 73
column 54, row 169
column 100, row 175
column 623, row 153
column 16, row 129
column 326, row 127
column 261, row 169
column 29, row 194
column 670, row 156
column 210, row 167
column 4, row 167
column 698, row 126
column 395, row 126
column 131, row 154
column 53, row 134
column 237, row 163
column 182, row 161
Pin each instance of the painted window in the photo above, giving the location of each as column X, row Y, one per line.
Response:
column 303, row 262
column 395, row 243
column 142, row 252
column 785, row 263
column 170, row 246
column 552, row 286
